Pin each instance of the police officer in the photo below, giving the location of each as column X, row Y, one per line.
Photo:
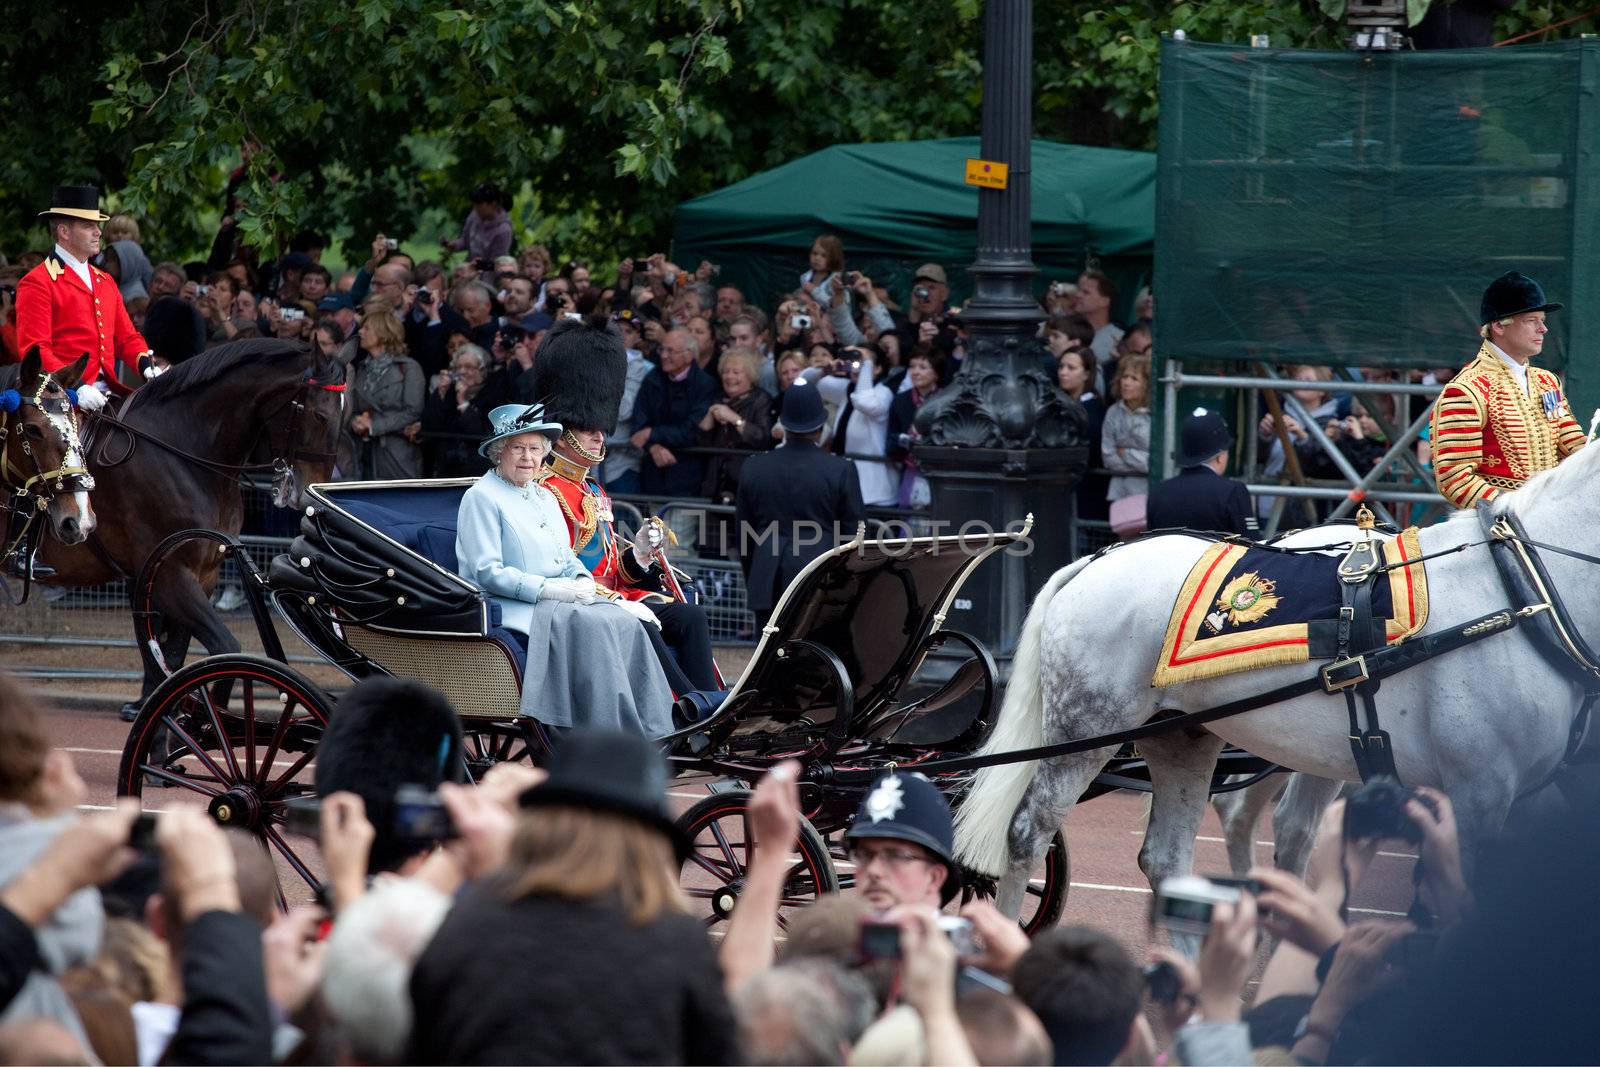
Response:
column 793, row 502
column 1199, row 497
column 902, row 842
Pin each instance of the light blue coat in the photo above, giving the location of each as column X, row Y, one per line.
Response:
column 509, row 540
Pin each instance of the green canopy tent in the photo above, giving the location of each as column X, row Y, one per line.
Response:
column 898, row 205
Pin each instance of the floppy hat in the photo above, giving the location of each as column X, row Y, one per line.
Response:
column 803, row 411
column 610, row 770
column 509, row 420
column 76, row 201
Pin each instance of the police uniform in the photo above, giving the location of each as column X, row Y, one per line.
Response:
column 1198, row 498
column 1489, row 433
column 66, row 316
column 580, row 376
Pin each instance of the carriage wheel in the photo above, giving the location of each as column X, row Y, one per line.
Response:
column 243, row 755
column 1046, row 895
column 719, row 834
column 487, row 742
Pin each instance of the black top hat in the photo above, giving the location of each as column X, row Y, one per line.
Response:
column 1204, row 435
column 908, row 807
column 76, row 201
column 1513, row 293
column 803, row 411
column 610, row 770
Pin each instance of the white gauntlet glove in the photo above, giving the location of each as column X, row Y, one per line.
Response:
column 648, row 543
column 638, row 611
column 90, row 398
column 568, row 590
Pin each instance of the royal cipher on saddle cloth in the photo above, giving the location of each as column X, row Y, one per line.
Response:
column 1243, row 607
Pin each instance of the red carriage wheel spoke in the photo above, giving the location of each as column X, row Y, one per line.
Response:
column 280, row 732
column 727, row 849
column 194, row 746
column 272, row 790
column 282, row 846
column 711, row 867
column 250, row 731
column 179, row 779
column 223, row 741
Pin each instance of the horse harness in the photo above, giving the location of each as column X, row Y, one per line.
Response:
column 1364, row 658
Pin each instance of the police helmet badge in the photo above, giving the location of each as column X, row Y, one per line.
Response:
column 886, row 799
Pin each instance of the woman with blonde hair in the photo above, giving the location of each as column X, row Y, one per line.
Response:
column 384, row 398
column 587, row 915
column 1125, row 436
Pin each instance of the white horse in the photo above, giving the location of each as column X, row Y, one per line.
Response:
column 1483, row 723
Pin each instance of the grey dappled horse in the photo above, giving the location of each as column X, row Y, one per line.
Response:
column 1483, row 723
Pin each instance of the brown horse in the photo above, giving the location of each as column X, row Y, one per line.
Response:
column 172, row 460
column 41, row 461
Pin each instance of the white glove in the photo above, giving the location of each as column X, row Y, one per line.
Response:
column 638, row 611
column 90, row 398
column 568, row 590
column 648, row 543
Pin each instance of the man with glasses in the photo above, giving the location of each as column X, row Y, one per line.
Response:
column 902, row 843
column 1501, row 421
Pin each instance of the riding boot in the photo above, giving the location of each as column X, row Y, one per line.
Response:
column 25, row 567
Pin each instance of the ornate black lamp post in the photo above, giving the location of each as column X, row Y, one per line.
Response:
column 1002, row 441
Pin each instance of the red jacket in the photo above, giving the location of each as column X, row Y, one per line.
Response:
column 65, row 319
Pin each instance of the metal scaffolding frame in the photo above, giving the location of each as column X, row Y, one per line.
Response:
column 1369, row 488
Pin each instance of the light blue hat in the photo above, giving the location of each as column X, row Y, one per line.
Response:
column 509, row 420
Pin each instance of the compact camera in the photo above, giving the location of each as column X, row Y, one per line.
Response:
column 881, row 940
column 201, row 290
column 390, row 243
column 1378, row 811
column 293, row 314
column 1184, row 904
column 922, row 292
column 800, row 322
column 418, row 816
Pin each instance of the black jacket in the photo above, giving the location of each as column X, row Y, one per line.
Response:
column 226, row 1015
column 672, row 412
column 1200, row 499
column 19, row 955
column 789, row 505
column 545, row 980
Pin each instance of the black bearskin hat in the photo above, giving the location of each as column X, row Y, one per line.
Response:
column 174, row 330
column 383, row 734
column 579, row 374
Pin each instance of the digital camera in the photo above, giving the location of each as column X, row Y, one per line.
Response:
column 1378, row 811
column 1185, row 903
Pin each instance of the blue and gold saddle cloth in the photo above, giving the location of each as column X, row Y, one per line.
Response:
column 1242, row 608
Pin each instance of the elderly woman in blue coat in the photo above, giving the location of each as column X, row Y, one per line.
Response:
column 590, row 662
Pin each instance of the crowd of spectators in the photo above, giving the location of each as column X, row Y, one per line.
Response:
column 434, row 345
column 549, row 926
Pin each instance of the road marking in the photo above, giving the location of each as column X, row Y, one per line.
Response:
column 96, row 751
column 1270, row 844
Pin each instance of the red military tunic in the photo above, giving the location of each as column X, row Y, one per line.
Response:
column 1490, row 436
column 587, row 509
column 66, row 319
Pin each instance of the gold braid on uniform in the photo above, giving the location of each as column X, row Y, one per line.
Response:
column 584, row 527
column 583, row 453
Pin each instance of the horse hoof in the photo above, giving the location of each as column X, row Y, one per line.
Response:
column 129, row 711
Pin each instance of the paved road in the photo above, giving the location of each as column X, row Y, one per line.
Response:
column 1108, row 890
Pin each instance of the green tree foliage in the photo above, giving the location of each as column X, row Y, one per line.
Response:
column 603, row 113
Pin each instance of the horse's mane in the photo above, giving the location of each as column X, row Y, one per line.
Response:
column 213, row 365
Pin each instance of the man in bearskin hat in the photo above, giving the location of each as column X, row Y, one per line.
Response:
column 579, row 375
column 1501, row 420
column 68, row 307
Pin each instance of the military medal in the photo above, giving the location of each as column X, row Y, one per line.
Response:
column 1551, row 399
column 1246, row 599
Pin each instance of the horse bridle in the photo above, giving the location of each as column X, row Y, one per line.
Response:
column 282, row 465
column 41, row 485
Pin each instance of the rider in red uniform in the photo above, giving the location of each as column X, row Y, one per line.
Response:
column 579, row 375
column 66, row 306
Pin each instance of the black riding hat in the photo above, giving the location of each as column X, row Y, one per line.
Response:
column 1513, row 293
column 1204, row 435
column 77, row 202
column 907, row 807
column 610, row 770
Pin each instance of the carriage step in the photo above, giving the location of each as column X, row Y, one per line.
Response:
column 726, row 785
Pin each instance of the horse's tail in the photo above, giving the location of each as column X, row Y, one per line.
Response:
column 984, row 817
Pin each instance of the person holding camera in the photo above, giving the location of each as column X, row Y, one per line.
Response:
column 455, row 417
column 1094, row 300
column 486, row 232
column 930, row 310
column 862, row 426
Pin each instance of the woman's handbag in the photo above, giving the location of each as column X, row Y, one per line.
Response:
column 1128, row 515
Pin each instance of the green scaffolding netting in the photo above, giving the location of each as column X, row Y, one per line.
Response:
column 1348, row 208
